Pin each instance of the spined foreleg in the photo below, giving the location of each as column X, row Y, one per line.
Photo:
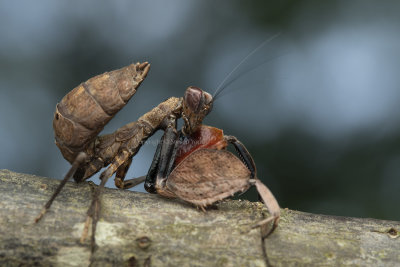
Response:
column 163, row 159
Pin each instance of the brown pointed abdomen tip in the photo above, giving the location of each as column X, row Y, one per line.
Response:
column 143, row 65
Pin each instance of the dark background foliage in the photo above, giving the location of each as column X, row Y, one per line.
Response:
column 320, row 114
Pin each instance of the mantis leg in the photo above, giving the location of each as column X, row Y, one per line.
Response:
column 79, row 160
column 265, row 194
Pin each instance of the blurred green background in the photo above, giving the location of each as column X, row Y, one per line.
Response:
column 320, row 115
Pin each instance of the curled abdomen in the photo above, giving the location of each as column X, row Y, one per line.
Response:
column 82, row 113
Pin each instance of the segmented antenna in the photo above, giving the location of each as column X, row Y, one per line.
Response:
column 220, row 88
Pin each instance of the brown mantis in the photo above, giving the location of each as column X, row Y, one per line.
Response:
column 190, row 164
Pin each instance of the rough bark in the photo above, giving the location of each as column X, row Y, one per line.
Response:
column 177, row 234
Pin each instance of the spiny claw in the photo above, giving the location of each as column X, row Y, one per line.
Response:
column 41, row 214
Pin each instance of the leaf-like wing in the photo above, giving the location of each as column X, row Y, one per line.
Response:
column 207, row 176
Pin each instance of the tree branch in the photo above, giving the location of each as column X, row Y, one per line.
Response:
column 136, row 229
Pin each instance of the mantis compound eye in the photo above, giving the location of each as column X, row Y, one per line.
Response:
column 192, row 98
column 197, row 100
column 208, row 102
